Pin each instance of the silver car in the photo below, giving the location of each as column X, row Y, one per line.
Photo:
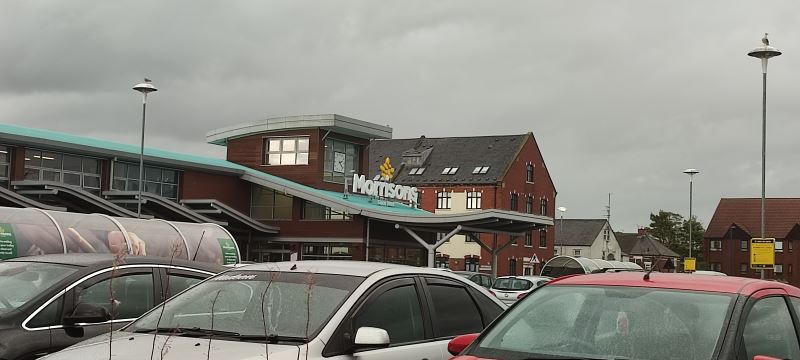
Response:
column 334, row 310
column 509, row 289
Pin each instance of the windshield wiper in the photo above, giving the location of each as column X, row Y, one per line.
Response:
column 274, row 339
column 190, row 331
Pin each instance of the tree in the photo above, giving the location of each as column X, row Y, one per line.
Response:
column 673, row 230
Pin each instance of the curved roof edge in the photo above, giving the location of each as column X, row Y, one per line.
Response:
column 334, row 122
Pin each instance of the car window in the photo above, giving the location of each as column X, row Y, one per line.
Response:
column 769, row 330
column 486, row 281
column 454, row 311
column 512, row 284
column 49, row 316
column 178, row 283
column 133, row 295
column 398, row 312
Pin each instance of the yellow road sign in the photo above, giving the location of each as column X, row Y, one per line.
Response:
column 762, row 253
column 689, row 264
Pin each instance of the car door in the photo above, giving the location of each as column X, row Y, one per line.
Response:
column 454, row 309
column 768, row 328
column 133, row 293
column 397, row 307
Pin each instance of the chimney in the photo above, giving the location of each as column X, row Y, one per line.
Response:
column 642, row 231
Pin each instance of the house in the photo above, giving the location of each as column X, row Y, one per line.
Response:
column 457, row 175
column 590, row 238
column 646, row 250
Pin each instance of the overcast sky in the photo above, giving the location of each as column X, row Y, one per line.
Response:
column 622, row 96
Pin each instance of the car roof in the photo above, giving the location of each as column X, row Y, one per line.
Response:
column 722, row 284
column 90, row 260
column 531, row 278
column 341, row 267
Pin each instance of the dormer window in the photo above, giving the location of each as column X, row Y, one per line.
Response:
column 416, row 171
column 480, row 170
column 449, row 171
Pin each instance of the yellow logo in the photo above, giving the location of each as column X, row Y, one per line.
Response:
column 387, row 171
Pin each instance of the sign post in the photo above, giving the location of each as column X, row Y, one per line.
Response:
column 762, row 253
column 689, row 264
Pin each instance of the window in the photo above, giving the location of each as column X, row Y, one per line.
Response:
column 512, row 266
column 342, row 160
column 790, row 269
column 542, row 239
column 314, row 211
column 473, row 200
column 791, row 246
column 327, row 252
column 543, row 207
column 528, row 239
column 416, row 171
column 527, row 271
column 471, row 264
column 769, row 330
column 480, row 170
column 743, row 268
column 455, row 311
column 529, row 204
column 529, row 173
column 5, row 162
column 514, row 240
column 778, row 246
column 743, row 245
column 83, row 172
column 716, row 245
column 286, row 151
column 778, row 268
column 576, row 252
column 514, row 199
column 268, row 204
column 443, row 200
column 178, row 283
column 398, row 312
column 449, row 171
column 132, row 294
column 49, row 316
column 158, row 181
column 441, row 262
column 716, row 267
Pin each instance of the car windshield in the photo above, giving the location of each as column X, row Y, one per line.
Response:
column 512, row 284
column 609, row 323
column 22, row 281
column 253, row 304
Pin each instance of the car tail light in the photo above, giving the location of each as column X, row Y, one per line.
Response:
column 522, row 295
column 492, row 292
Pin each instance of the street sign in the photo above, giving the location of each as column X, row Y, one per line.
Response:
column 762, row 253
column 689, row 264
column 534, row 259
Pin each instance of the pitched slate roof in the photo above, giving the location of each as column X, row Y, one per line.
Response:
column 781, row 215
column 466, row 153
column 634, row 244
column 578, row 232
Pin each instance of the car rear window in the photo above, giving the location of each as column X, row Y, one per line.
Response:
column 512, row 284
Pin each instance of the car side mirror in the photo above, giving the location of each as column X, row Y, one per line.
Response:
column 459, row 343
column 369, row 338
column 764, row 357
column 86, row 314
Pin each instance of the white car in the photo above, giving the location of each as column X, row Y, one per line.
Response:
column 509, row 289
column 335, row 310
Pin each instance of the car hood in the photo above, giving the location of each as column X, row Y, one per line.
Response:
column 132, row 346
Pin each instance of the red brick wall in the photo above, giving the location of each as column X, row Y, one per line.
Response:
column 228, row 189
column 730, row 257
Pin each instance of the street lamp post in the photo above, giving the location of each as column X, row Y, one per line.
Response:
column 562, row 210
column 764, row 52
column 691, row 173
column 145, row 88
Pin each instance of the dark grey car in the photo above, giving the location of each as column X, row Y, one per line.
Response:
column 50, row 302
column 479, row 278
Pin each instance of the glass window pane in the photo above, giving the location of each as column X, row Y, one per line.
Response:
column 91, row 166
column 133, row 171
column 302, row 144
column 274, row 145
column 51, row 160
column 91, row 181
column 118, row 184
column 152, row 174
column 133, row 294
column 288, row 145
column 769, row 330
column 274, row 159
column 3, row 171
column 169, row 176
column 153, row 188
column 169, row 191
column 178, row 283
column 33, row 158
column 72, row 179
column 31, row 174
column 4, row 154
column 398, row 312
column 119, row 169
column 72, row 163
column 288, row 159
column 133, row 185
column 302, row 158
column 50, row 316
column 339, row 146
column 51, row 176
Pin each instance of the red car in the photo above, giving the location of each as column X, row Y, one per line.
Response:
column 637, row 316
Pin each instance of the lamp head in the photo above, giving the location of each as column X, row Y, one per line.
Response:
column 690, row 172
column 562, row 209
column 145, row 87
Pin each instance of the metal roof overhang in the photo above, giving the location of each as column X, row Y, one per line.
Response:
column 215, row 208
column 161, row 207
column 71, row 197
column 12, row 199
column 483, row 221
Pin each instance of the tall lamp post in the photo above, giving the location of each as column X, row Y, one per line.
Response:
column 562, row 210
column 145, row 88
column 691, row 173
column 764, row 52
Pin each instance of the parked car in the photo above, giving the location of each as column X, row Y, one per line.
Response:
column 50, row 302
column 509, row 289
column 479, row 278
column 632, row 316
column 709, row 272
column 334, row 310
